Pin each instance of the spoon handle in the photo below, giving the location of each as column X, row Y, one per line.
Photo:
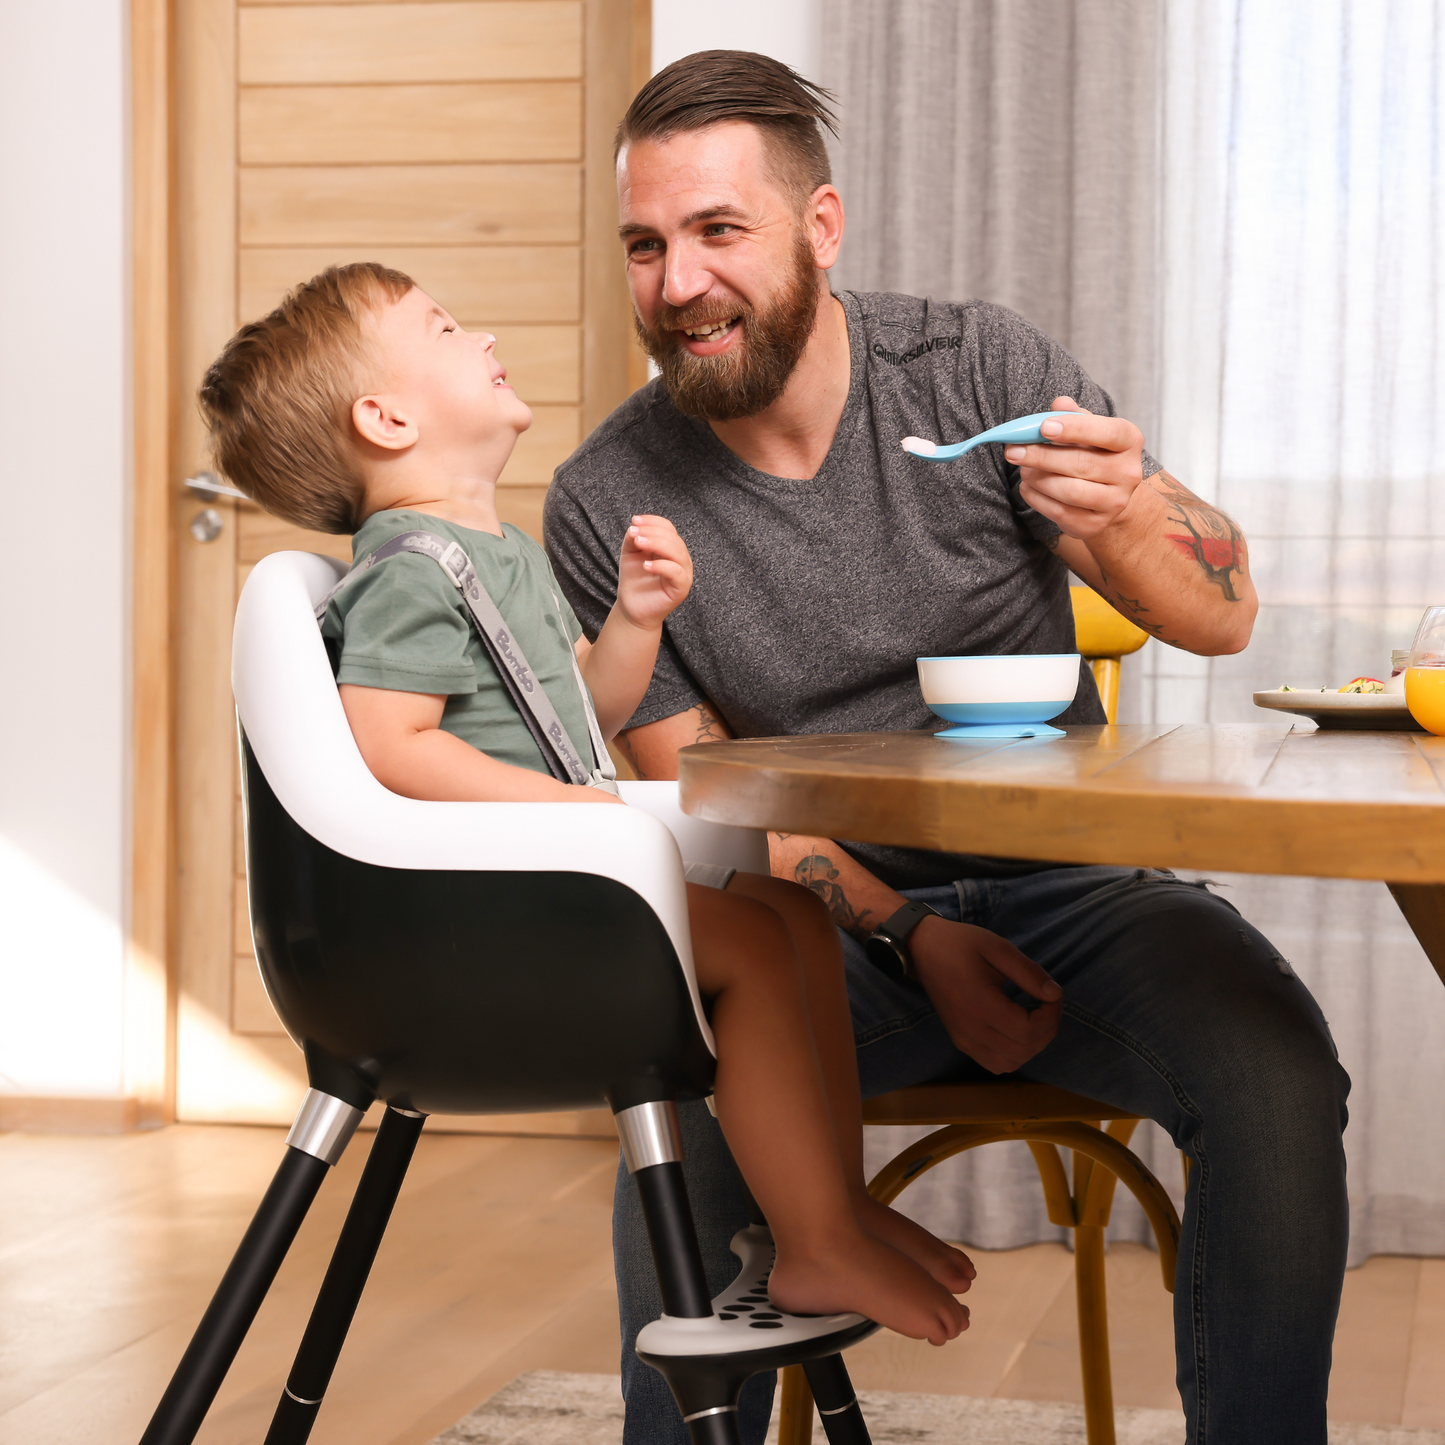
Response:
column 1021, row 431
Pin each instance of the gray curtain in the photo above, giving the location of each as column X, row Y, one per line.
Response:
column 1234, row 215
column 1008, row 149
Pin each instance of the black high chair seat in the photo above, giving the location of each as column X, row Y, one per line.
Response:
column 472, row 958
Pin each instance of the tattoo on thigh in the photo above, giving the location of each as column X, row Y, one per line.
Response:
column 1209, row 536
column 817, row 874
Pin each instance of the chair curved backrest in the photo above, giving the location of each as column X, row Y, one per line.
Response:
column 1103, row 636
column 453, row 957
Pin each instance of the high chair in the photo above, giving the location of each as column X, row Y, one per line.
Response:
column 1047, row 1119
column 472, row 958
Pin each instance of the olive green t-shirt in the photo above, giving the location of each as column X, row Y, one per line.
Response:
column 403, row 626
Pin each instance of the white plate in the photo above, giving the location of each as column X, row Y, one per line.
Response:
column 1378, row 711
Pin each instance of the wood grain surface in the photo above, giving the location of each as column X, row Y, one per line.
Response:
column 1249, row 798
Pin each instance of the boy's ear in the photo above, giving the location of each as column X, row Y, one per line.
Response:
column 378, row 422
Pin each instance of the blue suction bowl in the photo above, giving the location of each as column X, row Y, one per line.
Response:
column 999, row 712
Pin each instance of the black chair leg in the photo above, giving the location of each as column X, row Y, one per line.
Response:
column 321, row 1131
column 346, row 1276
column 706, row 1389
column 837, row 1404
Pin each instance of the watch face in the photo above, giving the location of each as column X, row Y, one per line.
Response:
column 883, row 953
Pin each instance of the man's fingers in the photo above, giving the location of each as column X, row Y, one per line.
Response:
column 1083, row 428
column 1090, row 464
column 1021, row 970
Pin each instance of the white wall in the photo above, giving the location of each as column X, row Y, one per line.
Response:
column 64, row 442
column 788, row 30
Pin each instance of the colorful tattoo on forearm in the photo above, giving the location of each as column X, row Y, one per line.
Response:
column 1209, row 536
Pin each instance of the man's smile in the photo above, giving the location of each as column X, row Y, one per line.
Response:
column 708, row 338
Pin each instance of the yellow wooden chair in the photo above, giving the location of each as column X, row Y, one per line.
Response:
column 1045, row 1118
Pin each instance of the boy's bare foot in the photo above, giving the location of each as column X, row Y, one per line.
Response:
column 951, row 1267
column 869, row 1278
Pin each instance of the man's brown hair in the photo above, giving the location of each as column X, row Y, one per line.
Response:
column 278, row 399
column 717, row 85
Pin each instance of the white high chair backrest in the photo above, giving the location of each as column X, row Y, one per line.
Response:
column 289, row 707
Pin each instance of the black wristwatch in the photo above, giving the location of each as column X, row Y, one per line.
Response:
column 887, row 946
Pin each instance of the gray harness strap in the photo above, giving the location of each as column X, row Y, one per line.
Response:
column 527, row 693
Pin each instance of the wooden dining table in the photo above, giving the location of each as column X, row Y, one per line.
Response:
column 1270, row 797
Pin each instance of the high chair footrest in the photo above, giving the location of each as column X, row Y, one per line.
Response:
column 745, row 1328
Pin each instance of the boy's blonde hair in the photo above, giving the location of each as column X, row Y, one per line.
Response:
column 278, row 399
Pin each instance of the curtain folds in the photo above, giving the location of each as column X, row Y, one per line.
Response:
column 1234, row 215
column 1008, row 149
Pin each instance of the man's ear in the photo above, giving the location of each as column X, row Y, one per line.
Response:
column 379, row 422
column 824, row 219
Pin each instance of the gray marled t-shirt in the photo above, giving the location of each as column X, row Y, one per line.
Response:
column 812, row 599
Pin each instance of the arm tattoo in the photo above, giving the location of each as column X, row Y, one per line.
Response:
column 817, row 873
column 1210, row 537
column 623, row 743
column 708, row 723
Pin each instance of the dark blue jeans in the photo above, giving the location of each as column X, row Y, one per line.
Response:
column 1176, row 1010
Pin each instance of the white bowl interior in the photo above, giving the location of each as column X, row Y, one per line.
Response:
column 952, row 680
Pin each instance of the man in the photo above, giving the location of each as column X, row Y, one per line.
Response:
column 826, row 560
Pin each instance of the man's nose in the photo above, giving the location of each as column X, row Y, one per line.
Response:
column 685, row 277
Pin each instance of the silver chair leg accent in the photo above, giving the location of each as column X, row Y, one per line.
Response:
column 324, row 1126
column 650, row 1135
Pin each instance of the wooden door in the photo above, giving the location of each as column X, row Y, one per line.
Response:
column 468, row 143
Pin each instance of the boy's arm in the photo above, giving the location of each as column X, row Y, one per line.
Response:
column 654, row 576
column 617, row 668
column 401, row 741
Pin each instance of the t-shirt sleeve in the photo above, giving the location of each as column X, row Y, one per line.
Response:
column 400, row 626
column 1036, row 370
column 586, row 567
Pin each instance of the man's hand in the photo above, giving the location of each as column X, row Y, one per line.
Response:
column 1085, row 479
column 964, row 970
column 1162, row 557
column 654, row 572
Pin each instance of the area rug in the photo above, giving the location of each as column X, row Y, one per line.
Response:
column 547, row 1407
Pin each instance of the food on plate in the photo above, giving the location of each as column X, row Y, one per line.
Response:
column 1363, row 684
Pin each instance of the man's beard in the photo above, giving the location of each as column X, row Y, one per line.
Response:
column 748, row 377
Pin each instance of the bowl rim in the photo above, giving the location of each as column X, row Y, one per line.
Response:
column 996, row 656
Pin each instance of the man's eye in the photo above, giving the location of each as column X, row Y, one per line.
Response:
column 718, row 228
column 640, row 246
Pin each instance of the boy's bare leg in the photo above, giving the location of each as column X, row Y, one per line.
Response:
column 815, row 937
column 774, row 1111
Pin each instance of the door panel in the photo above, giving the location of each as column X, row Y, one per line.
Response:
column 466, row 144
column 410, row 205
column 354, row 124
column 485, row 40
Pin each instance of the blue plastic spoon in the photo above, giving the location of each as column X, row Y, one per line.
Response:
column 1022, row 431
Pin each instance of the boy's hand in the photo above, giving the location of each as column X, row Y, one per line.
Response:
column 654, row 572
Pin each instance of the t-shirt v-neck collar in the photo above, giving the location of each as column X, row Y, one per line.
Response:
column 718, row 452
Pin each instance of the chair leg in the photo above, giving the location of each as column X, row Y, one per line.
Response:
column 1092, row 1301
column 346, row 1277
column 322, row 1129
column 795, row 1410
column 706, row 1388
column 843, row 1422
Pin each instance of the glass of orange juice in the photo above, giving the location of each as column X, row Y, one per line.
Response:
column 1425, row 673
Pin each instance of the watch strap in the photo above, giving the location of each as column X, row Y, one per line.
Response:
column 899, row 924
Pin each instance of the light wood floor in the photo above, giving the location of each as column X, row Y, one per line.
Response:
column 498, row 1261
